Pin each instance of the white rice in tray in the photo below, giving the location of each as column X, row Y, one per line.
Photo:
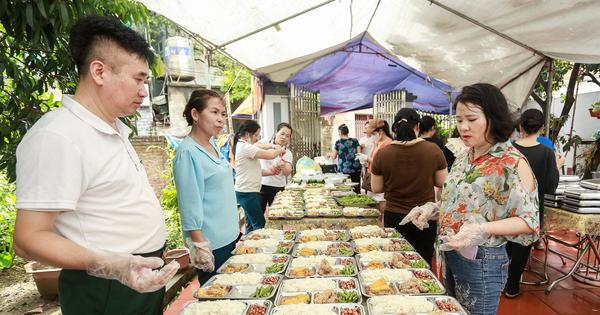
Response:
column 305, row 309
column 238, row 278
column 311, row 261
column 315, row 245
column 390, row 275
column 365, row 229
column 377, row 241
column 376, row 255
column 395, row 304
column 251, row 259
column 268, row 232
column 219, row 307
column 261, row 243
column 350, row 209
column 308, row 284
column 316, row 232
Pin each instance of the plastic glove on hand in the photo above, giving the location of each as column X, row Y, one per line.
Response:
column 361, row 157
column 421, row 214
column 201, row 255
column 469, row 235
column 135, row 272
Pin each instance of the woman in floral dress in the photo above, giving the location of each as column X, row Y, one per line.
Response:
column 345, row 149
column 489, row 198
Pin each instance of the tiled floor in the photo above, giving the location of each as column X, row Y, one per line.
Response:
column 568, row 297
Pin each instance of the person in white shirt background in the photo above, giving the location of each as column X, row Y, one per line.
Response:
column 275, row 172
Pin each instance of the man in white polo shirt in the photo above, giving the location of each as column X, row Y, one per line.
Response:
column 83, row 197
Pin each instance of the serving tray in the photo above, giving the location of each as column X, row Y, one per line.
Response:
column 322, row 235
column 284, row 247
column 412, row 256
column 192, row 307
column 261, row 267
column 417, row 274
column 368, row 204
column 336, row 308
column 241, row 291
column 391, row 245
column 350, row 284
column 298, row 246
column 432, row 299
column 286, row 235
column 339, row 263
column 585, row 210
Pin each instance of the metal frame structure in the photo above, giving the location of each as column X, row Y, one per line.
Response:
column 386, row 105
column 305, row 117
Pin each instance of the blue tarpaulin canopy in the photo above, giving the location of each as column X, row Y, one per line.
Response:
column 348, row 78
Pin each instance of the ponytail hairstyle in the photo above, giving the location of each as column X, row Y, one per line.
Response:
column 531, row 121
column 248, row 126
column 344, row 129
column 406, row 119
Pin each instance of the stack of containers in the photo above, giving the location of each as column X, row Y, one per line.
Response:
column 583, row 200
column 566, row 182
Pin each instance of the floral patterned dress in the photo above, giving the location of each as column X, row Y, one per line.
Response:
column 347, row 161
column 489, row 187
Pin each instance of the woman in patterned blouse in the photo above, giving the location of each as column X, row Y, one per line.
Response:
column 345, row 150
column 489, row 198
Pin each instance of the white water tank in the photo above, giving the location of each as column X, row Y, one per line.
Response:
column 179, row 58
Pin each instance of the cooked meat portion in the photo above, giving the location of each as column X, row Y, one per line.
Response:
column 326, row 297
column 331, row 250
column 325, row 269
column 412, row 286
column 399, row 261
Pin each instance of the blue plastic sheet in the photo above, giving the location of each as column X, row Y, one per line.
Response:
column 348, row 79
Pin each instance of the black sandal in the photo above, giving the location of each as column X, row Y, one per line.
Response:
column 514, row 296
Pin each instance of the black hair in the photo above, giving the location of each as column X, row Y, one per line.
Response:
column 199, row 101
column 282, row 125
column 427, row 122
column 532, row 121
column 344, row 129
column 248, row 126
column 406, row 119
column 455, row 133
column 385, row 128
column 494, row 106
column 91, row 37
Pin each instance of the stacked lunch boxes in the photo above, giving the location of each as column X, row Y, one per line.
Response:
column 586, row 199
column 566, row 182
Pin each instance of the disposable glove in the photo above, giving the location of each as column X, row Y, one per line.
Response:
column 362, row 157
column 421, row 214
column 201, row 254
column 136, row 272
column 470, row 234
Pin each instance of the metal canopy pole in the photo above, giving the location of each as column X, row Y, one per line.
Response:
column 549, row 98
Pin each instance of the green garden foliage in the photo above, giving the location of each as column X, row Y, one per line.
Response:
column 35, row 60
column 7, row 221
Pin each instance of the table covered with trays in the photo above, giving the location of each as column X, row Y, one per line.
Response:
column 321, row 272
column 305, row 209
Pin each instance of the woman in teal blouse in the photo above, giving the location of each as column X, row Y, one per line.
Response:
column 204, row 181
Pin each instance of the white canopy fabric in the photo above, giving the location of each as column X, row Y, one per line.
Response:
column 456, row 42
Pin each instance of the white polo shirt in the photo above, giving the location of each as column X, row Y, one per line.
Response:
column 275, row 180
column 73, row 162
column 247, row 168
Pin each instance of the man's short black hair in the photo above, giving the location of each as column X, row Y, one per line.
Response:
column 92, row 33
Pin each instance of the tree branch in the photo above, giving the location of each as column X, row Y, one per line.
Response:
column 539, row 100
column 591, row 76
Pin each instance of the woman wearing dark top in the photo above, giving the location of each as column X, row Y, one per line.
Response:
column 429, row 133
column 545, row 166
column 345, row 149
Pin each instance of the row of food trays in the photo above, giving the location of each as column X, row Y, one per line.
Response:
column 315, row 203
column 380, row 305
column 313, row 235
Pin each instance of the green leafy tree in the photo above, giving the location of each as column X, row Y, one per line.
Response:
column 229, row 69
column 578, row 73
column 35, row 60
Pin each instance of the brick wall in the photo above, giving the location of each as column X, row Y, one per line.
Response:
column 150, row 149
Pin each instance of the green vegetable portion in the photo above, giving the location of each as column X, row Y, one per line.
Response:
column 348, row 297
column 418, row 264
column 345, row 251
column 395, row 234
column 355, row 199
column 274, row 268
column 431, row 286
column 342, row 237
column 347, row 270
column 262, row 292
column 281, row 250
column 288, row 237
